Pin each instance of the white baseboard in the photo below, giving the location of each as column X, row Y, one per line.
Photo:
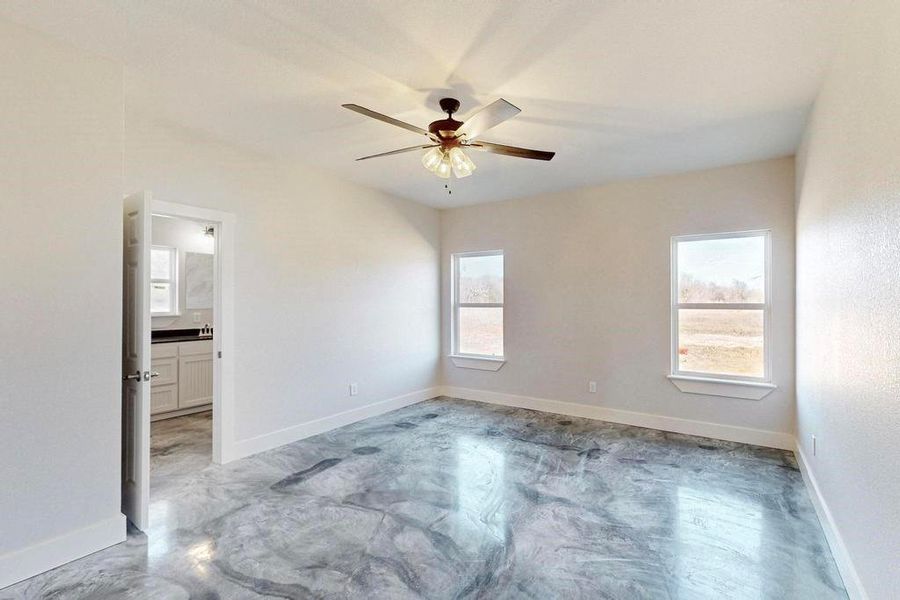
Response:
column 287, row 435
column 838, row 550
column 732, row 433
column 49, row 554
column 180, row 413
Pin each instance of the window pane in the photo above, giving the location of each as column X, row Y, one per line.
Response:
column 723, row 342
column 160, row 297
column 725, row 270
column 160, row 263
column 481, row 279
column 481, row 331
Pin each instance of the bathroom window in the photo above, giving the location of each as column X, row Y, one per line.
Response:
column 478, row 304
column 163, row 281
column 721, row 309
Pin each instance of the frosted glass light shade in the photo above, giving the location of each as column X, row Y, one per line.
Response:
column 432, row 158
column 462, row 164
column 443, row 169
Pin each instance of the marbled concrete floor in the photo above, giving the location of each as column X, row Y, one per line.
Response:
column 456, row 499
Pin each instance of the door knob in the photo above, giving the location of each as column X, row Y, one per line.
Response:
column 154, row 374
column 136, row 376
column 149, row 374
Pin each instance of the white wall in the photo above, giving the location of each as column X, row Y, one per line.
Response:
column 60, row 304
column 186, row 236
column 587, row 289
column 335, row 283
column 848, row 291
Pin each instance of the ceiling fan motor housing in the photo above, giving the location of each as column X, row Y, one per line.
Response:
column 446, row 128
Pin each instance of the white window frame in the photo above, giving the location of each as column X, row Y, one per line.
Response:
column 473, row 360
column 676, row 373
column 172, row 281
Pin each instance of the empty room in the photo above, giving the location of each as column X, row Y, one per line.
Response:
column 444, row 300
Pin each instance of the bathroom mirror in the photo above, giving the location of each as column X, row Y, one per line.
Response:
column 198, row 278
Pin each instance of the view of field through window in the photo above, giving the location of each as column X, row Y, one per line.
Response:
column 480, row 282
column 722, row 271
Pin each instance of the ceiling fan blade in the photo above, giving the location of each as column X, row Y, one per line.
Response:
column 400, row 151
column 371, row 113
column 511, row 150
column 491, row 115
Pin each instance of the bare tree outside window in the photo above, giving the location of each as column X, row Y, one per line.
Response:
column 720, row 305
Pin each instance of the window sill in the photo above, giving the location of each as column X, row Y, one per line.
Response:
column 482, row 363
column 749, row 390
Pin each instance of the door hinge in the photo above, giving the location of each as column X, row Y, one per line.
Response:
column 220, row 354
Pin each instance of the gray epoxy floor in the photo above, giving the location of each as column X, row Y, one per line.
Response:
column 456, row 499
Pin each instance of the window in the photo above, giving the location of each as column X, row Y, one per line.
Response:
column 478, row 304
column 163, row 281
column 720, row 306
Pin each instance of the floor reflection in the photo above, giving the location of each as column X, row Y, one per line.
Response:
column 480, row 470
column 719, row 537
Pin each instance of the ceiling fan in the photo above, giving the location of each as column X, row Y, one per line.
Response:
column 449, row 137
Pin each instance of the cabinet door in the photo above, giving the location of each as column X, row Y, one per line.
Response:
column 195, row 380
column 163, row 398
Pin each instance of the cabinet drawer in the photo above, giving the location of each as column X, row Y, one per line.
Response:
column 167, row 369
column 163, row 350
column 198, row 347
column 163, row 398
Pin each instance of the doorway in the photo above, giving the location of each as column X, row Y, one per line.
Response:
column 177, row 332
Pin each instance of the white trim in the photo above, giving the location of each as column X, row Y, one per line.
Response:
column 729, row 388
column 852, row 582
column 223, row 319
column 287, row 435
column 482, row 363
column 181, row 412
column 732, row 433
column 765, row 307
column 49, row 554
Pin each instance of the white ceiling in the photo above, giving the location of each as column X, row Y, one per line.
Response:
column 619, row 89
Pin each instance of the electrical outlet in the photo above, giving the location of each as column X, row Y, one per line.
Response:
column 814, row 445
column 354, row 389
column 592, row 387
column 196, row 317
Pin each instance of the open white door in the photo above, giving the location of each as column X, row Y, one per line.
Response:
column 136, row 360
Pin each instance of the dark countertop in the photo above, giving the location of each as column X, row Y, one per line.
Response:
column 169, row 336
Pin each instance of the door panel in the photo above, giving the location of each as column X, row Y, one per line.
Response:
column 136, row 360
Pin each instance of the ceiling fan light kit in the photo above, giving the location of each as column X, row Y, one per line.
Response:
column 462, row 164
column 432, row 158
column 448, row 137
column 443, row 168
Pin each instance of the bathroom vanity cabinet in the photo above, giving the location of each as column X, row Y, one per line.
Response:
column 185, row 380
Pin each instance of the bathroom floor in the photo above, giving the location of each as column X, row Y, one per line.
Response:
column 178, row 447
column 456, row 499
